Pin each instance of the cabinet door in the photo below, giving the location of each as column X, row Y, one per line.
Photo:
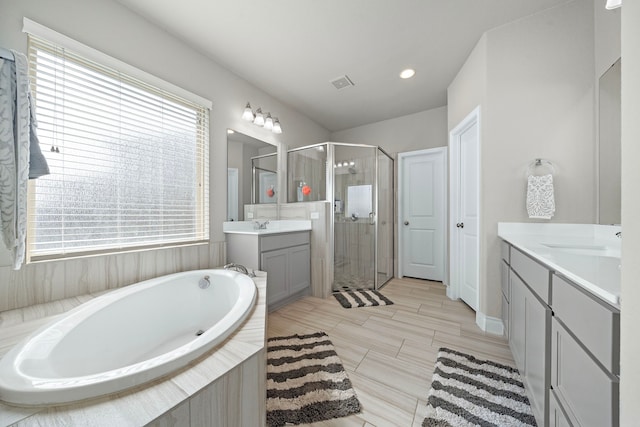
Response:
column 275, row 264
column 585, row 390
column 530, row 323
column 516, row 321
column 299, row 268
column 537, row 354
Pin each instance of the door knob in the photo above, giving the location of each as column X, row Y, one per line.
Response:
column 406, row 223
column 460, row 225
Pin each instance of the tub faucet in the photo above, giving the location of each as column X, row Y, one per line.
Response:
column 239, row 268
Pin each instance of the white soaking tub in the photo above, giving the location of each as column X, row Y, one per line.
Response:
column 126, row 337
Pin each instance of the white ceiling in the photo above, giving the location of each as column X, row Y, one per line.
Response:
column 293, row 49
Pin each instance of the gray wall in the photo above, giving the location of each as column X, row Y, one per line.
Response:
column 534, row 81
column 419, row 131
column 111, row 28
column 630, row 313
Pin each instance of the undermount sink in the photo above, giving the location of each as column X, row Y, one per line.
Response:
column 585, row 249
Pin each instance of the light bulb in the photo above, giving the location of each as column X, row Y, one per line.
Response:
column 276, row 126
column 259, row 120
column 268, row 122
column 407, row 74
column 247, row 114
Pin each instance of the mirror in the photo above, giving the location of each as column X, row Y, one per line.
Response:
column 609, row 154
column 251, row 173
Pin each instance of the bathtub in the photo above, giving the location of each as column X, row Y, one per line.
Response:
column 126, row 337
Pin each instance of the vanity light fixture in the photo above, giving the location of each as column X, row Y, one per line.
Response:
column 276, row 126
column 261, row 119
column 613, row 4
column 408, row 73
column 247, row 114
column 268, row 122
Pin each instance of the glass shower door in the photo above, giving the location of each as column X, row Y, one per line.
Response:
column 354, row 217
column 384, row 220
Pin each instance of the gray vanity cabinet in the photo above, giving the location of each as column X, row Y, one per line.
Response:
column 585, row 345
column 529, row 323
column 506, row 287
column 286, row 257
column 565, row 342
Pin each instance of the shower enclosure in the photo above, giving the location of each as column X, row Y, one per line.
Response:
column 358, row 180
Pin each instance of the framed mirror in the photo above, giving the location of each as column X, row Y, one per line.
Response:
column 252, row 175
column 609, row 154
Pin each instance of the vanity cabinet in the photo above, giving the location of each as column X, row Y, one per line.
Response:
column 585, row 352
column 529, row 326
column 565, row 342
column 506, row 287
column 286, row 257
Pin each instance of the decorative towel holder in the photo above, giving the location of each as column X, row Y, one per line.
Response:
column 541, row 167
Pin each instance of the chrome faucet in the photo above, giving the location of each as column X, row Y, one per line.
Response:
column 257, row 225
column 619, row 234
column 239, row 268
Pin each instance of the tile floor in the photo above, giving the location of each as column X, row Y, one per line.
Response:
column 389, row 351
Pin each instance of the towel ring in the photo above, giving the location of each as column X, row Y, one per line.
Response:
column 541, row 167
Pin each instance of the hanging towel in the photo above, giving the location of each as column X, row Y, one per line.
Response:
column 17, row 134
column 540, row 199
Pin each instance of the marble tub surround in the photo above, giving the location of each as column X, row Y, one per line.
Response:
column 47, row 281
column 270, row 227
column 223, row 387
column 587, row 254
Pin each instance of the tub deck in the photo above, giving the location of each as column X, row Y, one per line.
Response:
column 172, row 396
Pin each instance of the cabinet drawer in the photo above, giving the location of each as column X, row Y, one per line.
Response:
column 586, row 392
column 504, row 280
column 268, row 243
column 595, row 324
column 535, row 275
column 504, row 246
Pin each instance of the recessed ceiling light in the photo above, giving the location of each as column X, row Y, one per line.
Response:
column 408, row 73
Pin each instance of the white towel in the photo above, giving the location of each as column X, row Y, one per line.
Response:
column 540, row 200
column 15, row 123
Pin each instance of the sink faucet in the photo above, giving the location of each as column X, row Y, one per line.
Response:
column 239, row 268
column 257, row 225
column 619, row 234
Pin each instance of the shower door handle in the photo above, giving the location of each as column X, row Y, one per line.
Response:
column 372, row 220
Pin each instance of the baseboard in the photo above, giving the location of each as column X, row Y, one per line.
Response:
column 492, row 325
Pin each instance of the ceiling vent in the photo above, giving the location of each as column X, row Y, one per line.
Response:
column 342, row 82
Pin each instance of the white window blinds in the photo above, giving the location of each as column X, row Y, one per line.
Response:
column 129, row 161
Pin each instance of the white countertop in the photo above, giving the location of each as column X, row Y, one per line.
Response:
column 272, row 227
column 587, row 254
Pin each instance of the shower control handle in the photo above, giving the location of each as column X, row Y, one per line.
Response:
column 406, row 223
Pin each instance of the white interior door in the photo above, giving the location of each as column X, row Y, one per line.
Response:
column 465, row 178
column 422, row 213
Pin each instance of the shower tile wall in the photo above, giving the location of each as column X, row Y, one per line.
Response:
column 53, row 280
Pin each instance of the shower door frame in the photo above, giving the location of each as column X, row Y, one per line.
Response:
column 330, row 171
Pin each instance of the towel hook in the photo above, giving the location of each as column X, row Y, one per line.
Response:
column 540, row 163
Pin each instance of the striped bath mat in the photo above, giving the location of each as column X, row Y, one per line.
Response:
column 361, row 298
column 466, row 391
column 306, row 381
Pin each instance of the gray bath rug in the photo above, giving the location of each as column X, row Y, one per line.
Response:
column 466, row 391
column 306, row 381
column 361, row 298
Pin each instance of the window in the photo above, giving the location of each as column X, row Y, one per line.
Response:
column 129, row 161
